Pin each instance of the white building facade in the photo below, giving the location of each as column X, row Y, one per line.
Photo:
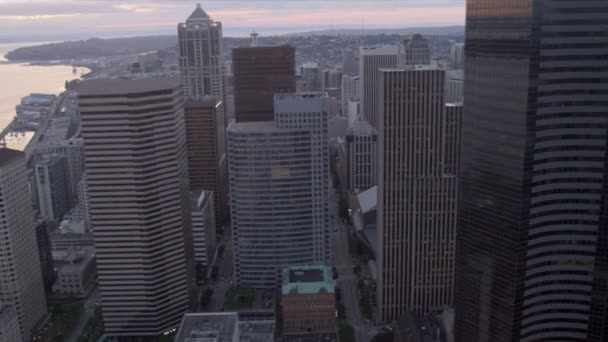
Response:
column 20, row 271
column 370, row 60
column 350, row 91
column 203, row 227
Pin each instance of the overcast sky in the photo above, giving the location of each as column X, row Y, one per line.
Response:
column 69, row 19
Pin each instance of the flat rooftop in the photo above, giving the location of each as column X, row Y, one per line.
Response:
column 212, row 327
column 307, row 279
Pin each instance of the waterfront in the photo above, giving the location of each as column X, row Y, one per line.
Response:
column 21, row 79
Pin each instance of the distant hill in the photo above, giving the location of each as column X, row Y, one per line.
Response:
column 430, row 31
column 91, row 48
column 97, row 47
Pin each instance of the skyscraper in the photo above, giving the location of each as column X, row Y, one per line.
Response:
column 457, row 55
column 52, row 187
column 350, row 66
column 370, row 60
column 207, row 164
column 531, row 256
column 20, row 271
column 350, row 91
column 312, row 76
column 200, row 55
column 260, row 73
column 279, row 187
column 137, row 183
column 361, row 154
column 414, row 50
column 418, row 139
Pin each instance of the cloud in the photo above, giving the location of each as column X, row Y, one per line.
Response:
column 135, row 8
column 39, row 17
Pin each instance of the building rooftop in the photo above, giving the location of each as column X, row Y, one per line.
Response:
column 7, row 155
column 123, row 86
column 208, row 327
column 307, row 279
column 256, row 331
column 368, row 199
column 198, row 14
column 73, row 259
column 253, row 125
column 379, row 50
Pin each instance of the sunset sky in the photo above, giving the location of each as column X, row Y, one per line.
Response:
column 69, row 19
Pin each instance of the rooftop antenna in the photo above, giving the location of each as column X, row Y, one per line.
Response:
column 254, row 38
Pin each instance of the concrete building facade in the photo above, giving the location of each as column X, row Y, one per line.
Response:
column 414, row 50
column 76, row 272
column 9, row 324
column 20, row 271
column 137, row 180
column 350, row 91
column 417, row 192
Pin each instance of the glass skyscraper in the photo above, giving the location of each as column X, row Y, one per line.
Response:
column 531, row 250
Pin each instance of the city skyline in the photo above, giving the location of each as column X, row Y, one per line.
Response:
column 91, row 18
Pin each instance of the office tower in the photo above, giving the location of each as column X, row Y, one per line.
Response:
column 200, row 55
column 259, row 73
column 45, row 255
column 350, row 91
column 310, row 111
column 361, row 154
column 20, row 272
column 414, row 50
column 9, row 324
column 350, row 65
column 279, row 187
column 370, row 60
column 332, row 79
column 531, row 256
column 417, row 192
column 312, row 77
column 71, row 150
column 455, row 86
column 203, row 227
column 137, row 183
column 207, row 164
column 83, row 198
column 457, row 55
column 52, row 187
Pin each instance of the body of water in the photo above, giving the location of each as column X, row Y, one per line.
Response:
column 20, row 79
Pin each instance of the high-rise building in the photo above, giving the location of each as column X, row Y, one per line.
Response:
column 361, row 154
column 259, row 74
column 20, row 271
column 455, row 86
column 207, row 164
column 200, row 55
column 532, row 240
column 312, row 77
column 370, row 60
column 52, row 187
column 9, row 324
column 457, row 55
column 418, row 140
column 279, row 188
column 350, row 91
column 310, row 111
column 203, row 227
column 350, row 65
column 414, row 50
column 45, row 255
column 137, row 182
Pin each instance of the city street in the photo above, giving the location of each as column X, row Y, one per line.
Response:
column 90, row 304
column 347, row 280
column 225, row 273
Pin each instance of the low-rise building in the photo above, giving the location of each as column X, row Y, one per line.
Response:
column 308, row 300
column 76, row 272
column 71, row 234
column 209, row 327
column 9, row 324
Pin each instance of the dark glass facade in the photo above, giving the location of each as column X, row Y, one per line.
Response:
column 533, row 170
column 260, row 73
